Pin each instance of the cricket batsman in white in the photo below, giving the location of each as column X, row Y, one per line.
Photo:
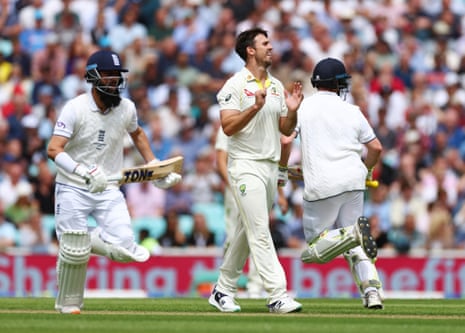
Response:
column 333, row 134
column 87, row 145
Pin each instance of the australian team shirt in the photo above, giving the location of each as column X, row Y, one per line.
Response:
column 260, row 138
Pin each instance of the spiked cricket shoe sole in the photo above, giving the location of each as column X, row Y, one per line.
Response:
column 366, row 239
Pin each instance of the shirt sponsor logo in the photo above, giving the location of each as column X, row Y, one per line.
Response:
column 248, row 93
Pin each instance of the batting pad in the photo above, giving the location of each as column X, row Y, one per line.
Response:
column 330, row 244
column 73, row 256
column 363, row 270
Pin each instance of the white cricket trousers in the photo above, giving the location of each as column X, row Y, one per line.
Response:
column 73, row 207
column 254, row 185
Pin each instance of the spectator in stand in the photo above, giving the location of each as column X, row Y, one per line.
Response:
column 162, row 25
column 32, row 235
column 440, row 235
column 188, row 30
column 186, row 74
column 14, row 110
column 406, row 237
column 9, row 23
column 378, row 204
column 44, row 188
column 20, row 57
column 173, row 235
column 279, row 231
column 16, row 83
column 161, row 145
column 53, row 57
column 150, row 243
column 34, row 39
column 124, row 33
column 190, row 143
column 179, row 199
column 67, row 24
column 24, row 207
column 201, row 236
column 380, row 236
column 409, row 202
column 145, row 200
column 47, row 80
column 74, row 83
column 203, row 181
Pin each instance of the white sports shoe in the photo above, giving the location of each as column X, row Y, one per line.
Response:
column 70, row 309
column 285, row 305
column 223, row 302
column 372, row 300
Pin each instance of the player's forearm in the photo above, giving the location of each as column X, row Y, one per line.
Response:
column 142, row 144
column 221, row 164
column 374, row 149
column 233, row 121
column 288, row 124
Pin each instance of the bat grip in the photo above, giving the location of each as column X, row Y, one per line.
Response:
column 372, row 183
column 114, row 178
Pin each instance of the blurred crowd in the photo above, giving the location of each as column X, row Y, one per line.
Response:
column 406, row 58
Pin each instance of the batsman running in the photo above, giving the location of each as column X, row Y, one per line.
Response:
column 333, row 134
column 87, row 145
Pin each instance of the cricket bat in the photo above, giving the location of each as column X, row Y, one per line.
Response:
column 148, row 172
column 294, row 172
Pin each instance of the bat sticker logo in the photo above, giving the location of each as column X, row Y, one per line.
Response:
column 137, row 175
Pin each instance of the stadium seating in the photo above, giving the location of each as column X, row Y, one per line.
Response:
column 156, row 225
column 214, row 214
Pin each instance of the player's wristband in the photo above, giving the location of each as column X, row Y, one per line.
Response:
column 64, row 161
column 282, row 168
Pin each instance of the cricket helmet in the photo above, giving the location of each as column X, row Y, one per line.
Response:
column 331, row 74
column 99, row 65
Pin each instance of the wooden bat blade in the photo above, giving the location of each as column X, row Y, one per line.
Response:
column 146, row 172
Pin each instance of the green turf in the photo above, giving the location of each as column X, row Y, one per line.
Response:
column 196, row 315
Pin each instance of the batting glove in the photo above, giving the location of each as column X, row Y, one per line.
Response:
column 283, row 176
column 96, row 179
column 166, row 182
column 369, row 177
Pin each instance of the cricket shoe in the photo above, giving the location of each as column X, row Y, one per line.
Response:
column 285, row 305
column 372, row 300
column 362, row 228
column 70, row 309
column 223, row 302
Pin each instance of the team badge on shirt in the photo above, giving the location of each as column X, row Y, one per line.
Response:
column 242, row 189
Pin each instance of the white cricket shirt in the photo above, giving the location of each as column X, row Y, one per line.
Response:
column 260, row 138
column 94, row 138
column 332, row 136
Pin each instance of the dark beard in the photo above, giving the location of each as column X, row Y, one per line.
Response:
column 109, row 101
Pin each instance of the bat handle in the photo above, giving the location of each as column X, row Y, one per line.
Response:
column 372, row 183
column 114, row 178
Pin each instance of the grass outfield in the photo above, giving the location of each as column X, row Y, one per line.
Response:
column 30, row 315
